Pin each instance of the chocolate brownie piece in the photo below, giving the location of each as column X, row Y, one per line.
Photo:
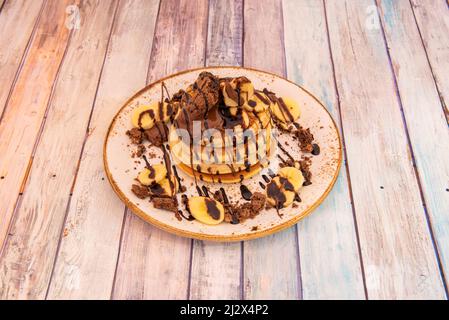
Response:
column 169, row 204
column 140, row 191
column 136, row 135
column 158, row 134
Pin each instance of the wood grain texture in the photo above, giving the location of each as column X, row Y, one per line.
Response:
column 14, row 40
column 86, row 255
column 398, row 256
column 432, row 19
column 330, row 262
column 225, row 33
column 424, row 115
column 30, row 251
column 153, row 263
column 270, row 264
column 27, row 105
column 216, row 267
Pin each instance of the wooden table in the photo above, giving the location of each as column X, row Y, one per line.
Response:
column 66, row 66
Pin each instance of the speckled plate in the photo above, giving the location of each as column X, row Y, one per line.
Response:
column 121, row 168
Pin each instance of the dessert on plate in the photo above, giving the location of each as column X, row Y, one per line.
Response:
column 220, row 132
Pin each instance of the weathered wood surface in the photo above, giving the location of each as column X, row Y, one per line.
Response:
column 397, row 251
column 423, row 113
column 87, row 256
column 216, row 267
column 383, row 231
column 27, row 105
column 29, row 253
column 14, row 40
column 163, row 267
column 329, row 256
column 432, row 19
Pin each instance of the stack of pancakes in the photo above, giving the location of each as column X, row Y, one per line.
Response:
column 222, row 129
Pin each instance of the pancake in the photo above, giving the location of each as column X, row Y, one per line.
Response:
column 222, row 178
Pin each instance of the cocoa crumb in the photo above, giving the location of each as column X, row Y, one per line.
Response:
column 305, row 138
column 140, row 150
column 305, row 169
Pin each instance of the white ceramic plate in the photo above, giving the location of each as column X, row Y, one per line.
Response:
column 122, row 169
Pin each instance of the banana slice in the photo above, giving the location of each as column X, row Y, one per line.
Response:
column 259, row 102
column 286, row 110
column 237, row 92
column 230, row 95
column 246, row 89
column 149, row 114
column 206, row 210
column 152, row 175
column 280, row 192
column 293, row 175
column 245, row 119
column 165, row 187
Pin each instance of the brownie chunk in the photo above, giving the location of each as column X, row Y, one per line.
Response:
column 258, row 201
column 169, row 204
column 140, row 150
column 140, row 191
column 158, row 134
column 136, row 135
column 199, row 98
column 248, row 210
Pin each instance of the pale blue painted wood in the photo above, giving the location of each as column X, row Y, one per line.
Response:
column 398, row 255
column 426, row 122
column 330, row 263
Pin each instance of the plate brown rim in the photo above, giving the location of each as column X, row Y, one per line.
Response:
column 195, row 235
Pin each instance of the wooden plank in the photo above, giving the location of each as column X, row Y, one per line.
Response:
column 225, row 33
column 424, row 116
column 14, row 39
column 216, row 266
column 330, row 262
column 30, row 250
column 87, row 256
column 27, row 105
column 271, row 266
column 398, row 256
column 153, row 263
column 432, row 19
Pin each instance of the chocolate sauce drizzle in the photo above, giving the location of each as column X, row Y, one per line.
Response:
column 246, row 193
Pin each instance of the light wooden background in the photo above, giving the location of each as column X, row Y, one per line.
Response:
column 381, row 68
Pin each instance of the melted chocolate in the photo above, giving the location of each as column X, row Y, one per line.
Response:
column 212, row 209
column 316, row 149
column 205, row 191
column 246, row 193
column 175, row 171
column 285, row 151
